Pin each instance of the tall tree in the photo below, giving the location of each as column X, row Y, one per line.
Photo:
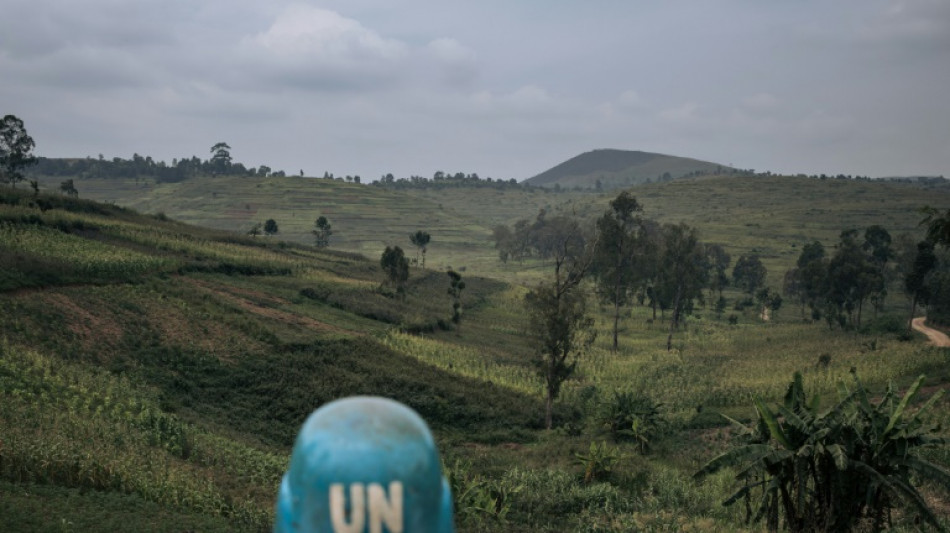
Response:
column 16, row 147
column 684, row 272
column 915, row 280
column 220, row 157
column 719, row 261
column 615, row 258
column 322, row 231
column 877, row 245
column 270, row 227
column 557, row 314
column 851, row 278
column 749, row 273
column 420, row 239
column 812, row 272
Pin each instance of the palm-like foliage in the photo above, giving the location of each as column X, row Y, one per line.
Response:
column 832, row 470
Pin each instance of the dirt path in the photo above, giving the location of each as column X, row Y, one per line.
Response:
column 938, row 338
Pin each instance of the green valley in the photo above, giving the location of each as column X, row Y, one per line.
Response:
column 156, row 361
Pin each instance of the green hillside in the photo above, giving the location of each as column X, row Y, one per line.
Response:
column 153, row 373
column 615, row 169
column 770, row 216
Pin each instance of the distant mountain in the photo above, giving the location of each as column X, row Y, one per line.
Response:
column 621, row 168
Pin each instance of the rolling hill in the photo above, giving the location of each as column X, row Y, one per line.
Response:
column 622, row 168
column 769, row 216
column 153, row 374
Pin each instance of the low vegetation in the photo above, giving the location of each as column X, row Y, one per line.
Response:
column 154, row 375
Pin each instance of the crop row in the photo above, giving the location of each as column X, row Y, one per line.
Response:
column 84, row 256
column 79, row 427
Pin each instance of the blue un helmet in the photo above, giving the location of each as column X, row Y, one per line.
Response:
column 364, row 464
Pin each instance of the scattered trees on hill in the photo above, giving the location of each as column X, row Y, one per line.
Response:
column 322, row 231
column 632, row 258
column 16, row 147
column 420, row 240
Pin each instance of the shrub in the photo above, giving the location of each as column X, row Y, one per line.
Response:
column 598, row 462
column 632, row 416
column 834, row 470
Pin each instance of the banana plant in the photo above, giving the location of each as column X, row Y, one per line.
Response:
column 837, row 469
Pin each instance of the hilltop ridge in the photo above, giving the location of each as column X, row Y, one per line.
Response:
column 614, row 169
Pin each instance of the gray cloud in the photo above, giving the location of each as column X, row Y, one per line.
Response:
column 499, row 88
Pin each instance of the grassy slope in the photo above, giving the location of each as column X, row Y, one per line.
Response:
column 771, row 216
column 208, row 346
column 147, row 379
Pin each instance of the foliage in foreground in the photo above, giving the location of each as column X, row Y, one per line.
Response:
column 831, row 471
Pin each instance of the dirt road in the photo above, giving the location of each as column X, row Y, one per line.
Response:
column 938, row 338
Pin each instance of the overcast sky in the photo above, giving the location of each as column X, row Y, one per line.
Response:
column 504, row 88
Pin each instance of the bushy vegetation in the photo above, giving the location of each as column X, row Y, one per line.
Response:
column 811, row 470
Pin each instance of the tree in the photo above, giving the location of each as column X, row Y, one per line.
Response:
column 15, row 150
column 615, row 256
column 456, row 286
column 915, row 280
column 421, row 240
column 719, row 261
column 852, row 278
column 808, row 280
column 938, row 226
column 833, row 470
column 683, row 273
column 270, row 227
column 68, row 188
column 255, row 230
column 221, row 157
column 877, row 245
column 557, row 310
column 396, row 267
column 768, row 300
column 749, row 273
column 322, row 231
column 562, row 332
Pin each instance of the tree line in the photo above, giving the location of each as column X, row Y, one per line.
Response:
column 442, row 180
column 139, row 166
column 839, row 287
